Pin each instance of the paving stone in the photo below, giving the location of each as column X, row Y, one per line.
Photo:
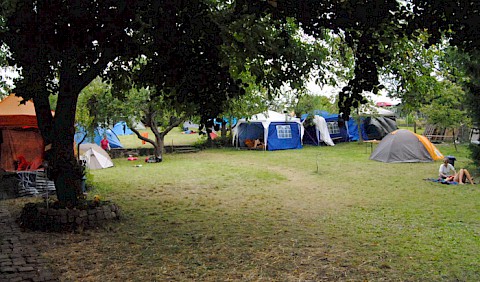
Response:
column 8, row 269
column 19, row 259
column 6, row 263
column 25, row 269
column 18, row 262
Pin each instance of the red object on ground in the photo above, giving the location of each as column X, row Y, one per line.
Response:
column 132, row 158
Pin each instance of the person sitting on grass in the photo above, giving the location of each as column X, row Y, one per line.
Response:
column 448, row 173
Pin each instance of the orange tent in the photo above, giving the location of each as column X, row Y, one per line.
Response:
column 19, row 134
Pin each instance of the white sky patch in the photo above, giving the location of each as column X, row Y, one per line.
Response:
column 7, row 75
column 330, row 91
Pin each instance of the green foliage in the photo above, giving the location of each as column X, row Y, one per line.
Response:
column 193, row 53
column 409, row 71
column 96, row 106
column 90, row 180
column 307, row 103
column 446, row 108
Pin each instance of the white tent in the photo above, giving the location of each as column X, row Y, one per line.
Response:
column 94, row 156
column 322, row 128
column 292, row 140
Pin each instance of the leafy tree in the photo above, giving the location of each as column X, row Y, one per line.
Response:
column 446, row 108
column 193, row 48
column 95, row 107
column 371, row 28
column 61, row 47
column 309, row 102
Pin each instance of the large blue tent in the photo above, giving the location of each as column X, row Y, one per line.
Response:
column 277, row 131
column 121, row 128
column 99, row 133
column 373, row 125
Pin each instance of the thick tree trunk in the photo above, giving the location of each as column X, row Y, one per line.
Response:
column 159, row 143
column 57, row 133
column 159, row 147
column 66, row 171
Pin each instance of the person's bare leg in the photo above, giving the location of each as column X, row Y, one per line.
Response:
column 455, row 177
column 460, row 176
column 469, row 177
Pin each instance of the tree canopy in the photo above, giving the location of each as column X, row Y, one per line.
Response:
column 194, row 52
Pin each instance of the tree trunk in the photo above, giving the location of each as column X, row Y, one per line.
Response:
column 159, row 147
column 66, row 172
column 57, row 133
column 224, row 129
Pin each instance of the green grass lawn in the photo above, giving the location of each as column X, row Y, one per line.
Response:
column 315, row 214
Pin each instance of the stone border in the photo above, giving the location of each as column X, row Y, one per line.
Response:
column 38, row 217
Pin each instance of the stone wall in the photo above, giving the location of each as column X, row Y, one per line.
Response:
column 36, row 216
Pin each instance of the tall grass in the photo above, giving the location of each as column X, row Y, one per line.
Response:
column 316, row 214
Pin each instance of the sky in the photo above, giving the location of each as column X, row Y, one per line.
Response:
column 330, row 91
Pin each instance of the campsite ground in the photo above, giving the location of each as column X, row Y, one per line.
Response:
column 318, row 214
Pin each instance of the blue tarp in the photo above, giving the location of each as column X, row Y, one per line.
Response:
column 347, row 131
column 99, row 132
column 278, row 141
column 121, row 128
column 280, row 132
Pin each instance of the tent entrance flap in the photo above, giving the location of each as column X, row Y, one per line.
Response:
column 252, row 131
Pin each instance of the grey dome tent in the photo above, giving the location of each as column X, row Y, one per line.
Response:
column 404, row 146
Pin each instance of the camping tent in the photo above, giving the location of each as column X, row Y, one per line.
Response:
column 375, row 124
column 404, row 146
column 94, row 156
column 121, row 128
column 278, row 131
column 339, row 129
column 316, row 133
column 99, row 132
column 19, row 134
column 378, row 122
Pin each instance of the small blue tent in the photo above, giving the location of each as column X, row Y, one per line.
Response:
column 99, row 132
column 278, row 131
column 121, row 128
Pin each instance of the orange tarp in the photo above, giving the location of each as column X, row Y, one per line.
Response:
column 14, row 114
column 19, row 135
